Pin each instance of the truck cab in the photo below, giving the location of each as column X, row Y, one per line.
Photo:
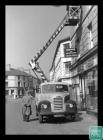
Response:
column 53, row 100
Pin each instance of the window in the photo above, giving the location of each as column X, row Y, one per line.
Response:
column 24, row 84
column 19, row 77
column 12, row 91
column 67, row 45
column 52, row 88
column 6, row 84
column 6, row 77
column 90, row 35
column 24, row 78
column 18, row 84
column 7, row 92
column 67, row 65
column 92, row 83
column 66, row 48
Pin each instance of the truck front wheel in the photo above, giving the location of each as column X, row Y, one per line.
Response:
column 26, row 118
column 70, row 117
column 73, row 117
column 36, row 111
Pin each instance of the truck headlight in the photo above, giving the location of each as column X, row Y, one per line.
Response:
column 44, row 106
column 70, row 105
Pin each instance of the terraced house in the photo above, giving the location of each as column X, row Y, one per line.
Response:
column 18, row 82
column 83, row 67
column 59, row 70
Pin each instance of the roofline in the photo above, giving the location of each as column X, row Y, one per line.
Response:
column 25, row 74
column 58, row 45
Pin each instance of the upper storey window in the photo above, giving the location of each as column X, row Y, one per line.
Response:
column 90, row 35
column 67, row 65
column 67, row 45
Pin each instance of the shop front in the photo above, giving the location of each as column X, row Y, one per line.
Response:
column 89, row 84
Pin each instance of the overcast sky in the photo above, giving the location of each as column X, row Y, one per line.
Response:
column 28, row 28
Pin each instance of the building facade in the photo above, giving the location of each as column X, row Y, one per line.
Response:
column 84, row 67
column 60, row 66
column 18, row 82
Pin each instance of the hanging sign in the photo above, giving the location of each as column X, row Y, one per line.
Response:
column 70, row 52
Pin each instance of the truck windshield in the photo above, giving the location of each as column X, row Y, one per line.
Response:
column 52, row 88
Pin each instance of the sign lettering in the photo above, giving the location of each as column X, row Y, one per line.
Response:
column 69, row 52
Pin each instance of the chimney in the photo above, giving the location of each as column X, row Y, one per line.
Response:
column 8, row 67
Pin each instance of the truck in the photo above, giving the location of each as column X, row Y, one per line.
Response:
column 53, row 100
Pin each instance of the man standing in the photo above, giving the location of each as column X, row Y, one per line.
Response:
column 26, row 108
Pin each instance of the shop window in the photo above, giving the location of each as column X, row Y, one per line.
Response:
column 92, row 83
column 91, row 88
column 95, row 81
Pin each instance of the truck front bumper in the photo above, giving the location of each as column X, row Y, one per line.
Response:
column 69, row 112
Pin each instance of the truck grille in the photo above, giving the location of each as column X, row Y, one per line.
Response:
column 58, row 103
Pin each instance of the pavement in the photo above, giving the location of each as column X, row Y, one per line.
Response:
column 16, row 125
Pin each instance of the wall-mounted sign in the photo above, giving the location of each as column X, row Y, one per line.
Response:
column 70, row 52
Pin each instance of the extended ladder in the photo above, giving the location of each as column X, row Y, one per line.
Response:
column 71, row 19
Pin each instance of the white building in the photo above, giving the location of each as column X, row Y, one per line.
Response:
column 60, row 66
column 17, row 82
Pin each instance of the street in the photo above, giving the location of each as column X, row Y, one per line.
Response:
column 15, row 124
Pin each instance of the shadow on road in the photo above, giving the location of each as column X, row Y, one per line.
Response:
column 63, row 120
column 60, row 120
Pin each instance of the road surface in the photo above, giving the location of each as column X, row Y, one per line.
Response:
column 15, row 124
